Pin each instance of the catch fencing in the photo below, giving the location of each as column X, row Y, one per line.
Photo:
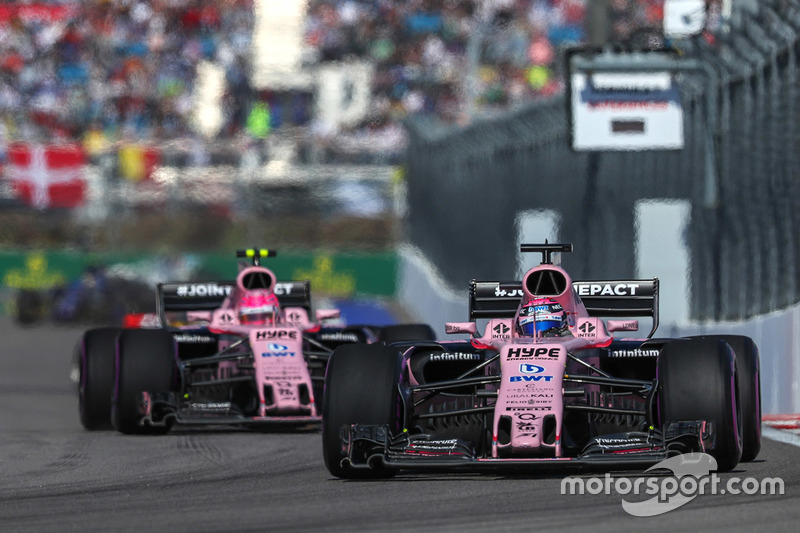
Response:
column 467, row 187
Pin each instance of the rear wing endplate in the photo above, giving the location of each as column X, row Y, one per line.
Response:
column 494, row 299
column 618, row 298
column 294, row 294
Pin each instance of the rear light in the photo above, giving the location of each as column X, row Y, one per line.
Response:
column 141, row 320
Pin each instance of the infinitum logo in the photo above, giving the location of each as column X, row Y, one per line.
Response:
column 691, row 476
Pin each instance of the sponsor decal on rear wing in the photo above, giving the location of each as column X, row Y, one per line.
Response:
column 209, row 295
column 620, row 298
column 294, row 294
column 617, row 298
column 494, row 299
column 193, row 295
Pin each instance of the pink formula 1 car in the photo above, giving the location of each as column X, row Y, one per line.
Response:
column 545, row 385
column 241, row 352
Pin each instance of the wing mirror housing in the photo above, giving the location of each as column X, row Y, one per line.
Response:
column 461, row 327
column 622, row 325
column 327, row 314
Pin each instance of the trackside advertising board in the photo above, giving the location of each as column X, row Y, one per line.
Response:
column 338, row 274
column 622, row 111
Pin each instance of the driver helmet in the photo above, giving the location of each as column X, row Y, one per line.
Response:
column 542, row 316
column 258, row 307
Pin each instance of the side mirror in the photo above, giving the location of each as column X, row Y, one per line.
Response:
column 198, row 316
column 622, row 325
column 461, row 327
column 327, row 314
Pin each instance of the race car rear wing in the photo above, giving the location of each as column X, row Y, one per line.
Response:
column 209, row 295
column 619, row 298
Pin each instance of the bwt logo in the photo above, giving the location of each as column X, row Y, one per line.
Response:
column 530, row 369
column 518, row 379
column 276, row 347
column 278, row 354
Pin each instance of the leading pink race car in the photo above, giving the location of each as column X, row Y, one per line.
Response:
column 243, row 352
column 546, row 384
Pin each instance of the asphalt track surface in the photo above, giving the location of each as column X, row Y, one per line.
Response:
column 55, row 476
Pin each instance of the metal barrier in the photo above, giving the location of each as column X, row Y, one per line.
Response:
column 466, row 187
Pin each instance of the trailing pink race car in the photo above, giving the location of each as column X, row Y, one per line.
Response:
column 545, row 385
column 242, row 352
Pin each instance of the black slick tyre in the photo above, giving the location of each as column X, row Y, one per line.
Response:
column 360, row 388
column 96, row 353
column 748, row 365
column 697, row 380
column 406, row 332
column 146, row 361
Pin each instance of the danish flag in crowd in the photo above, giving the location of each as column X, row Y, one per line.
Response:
column 47, row 176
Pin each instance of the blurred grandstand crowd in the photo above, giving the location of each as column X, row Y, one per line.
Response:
column 422, row 48
column 108, row 70
column 111, row 71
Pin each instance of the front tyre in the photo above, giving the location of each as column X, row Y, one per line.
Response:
column 748, row 366
column 146, row 361
column 360, row 388
column 697, row 380
column 96, row 353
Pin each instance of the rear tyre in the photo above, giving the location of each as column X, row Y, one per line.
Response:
column 406, row 332
column 360, row 388
column 146, row 361
column 697, row 380
column 749, row 368
column 96, row 352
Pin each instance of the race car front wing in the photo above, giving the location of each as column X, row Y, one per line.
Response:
column 164, row 409
column 371, row 447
